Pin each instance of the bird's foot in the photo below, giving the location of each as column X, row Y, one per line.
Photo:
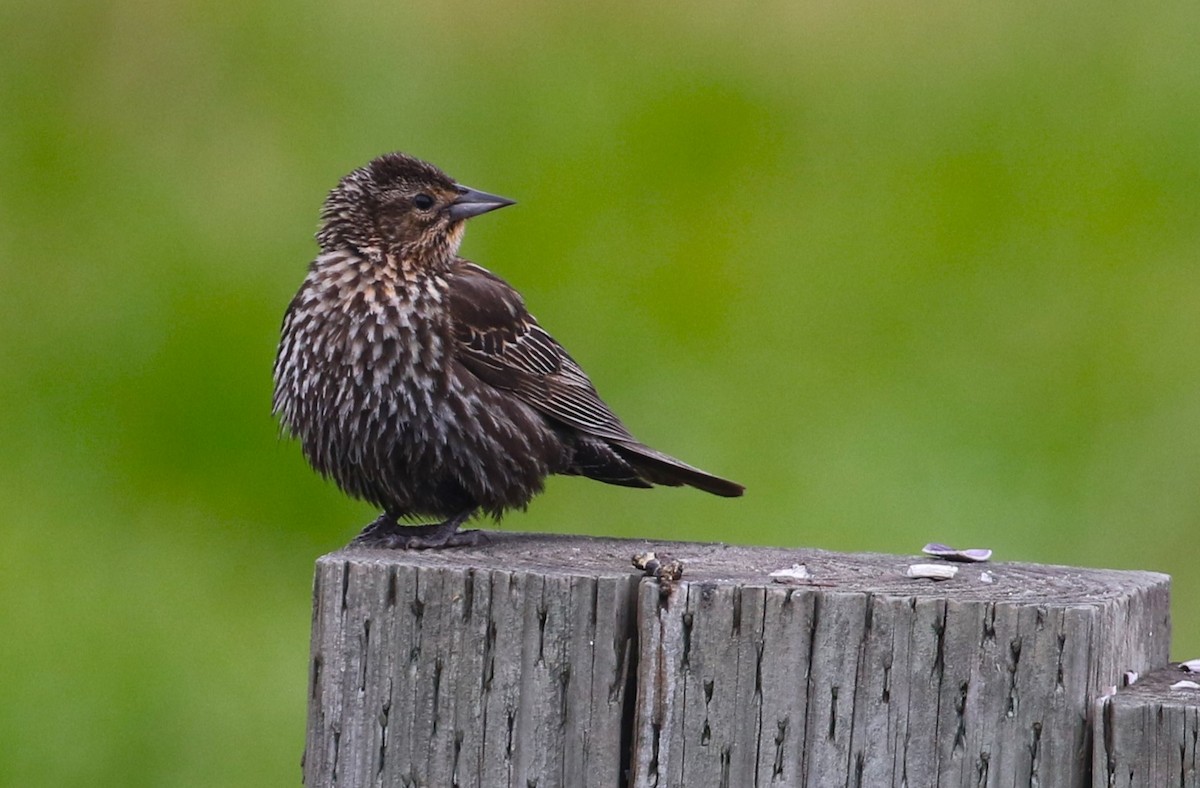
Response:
column 438, row 537
column 385, row 532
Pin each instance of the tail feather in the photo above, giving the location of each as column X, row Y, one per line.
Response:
column 664, row 469
column 595, row 459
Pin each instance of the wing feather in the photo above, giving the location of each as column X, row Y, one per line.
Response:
column 502, row 344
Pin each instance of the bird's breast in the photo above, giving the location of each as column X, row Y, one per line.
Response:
column 360, row 337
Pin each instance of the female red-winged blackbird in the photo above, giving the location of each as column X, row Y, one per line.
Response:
column 417, row 381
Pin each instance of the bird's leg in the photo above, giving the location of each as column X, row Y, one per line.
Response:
column 386, row 532
column 377, row 532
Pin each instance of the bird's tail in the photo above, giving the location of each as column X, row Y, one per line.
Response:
column 664, row 469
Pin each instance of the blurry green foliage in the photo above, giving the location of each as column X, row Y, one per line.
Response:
column 909, row 272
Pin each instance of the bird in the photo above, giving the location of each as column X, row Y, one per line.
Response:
column 419, row 382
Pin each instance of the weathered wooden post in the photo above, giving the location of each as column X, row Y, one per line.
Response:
column 510, row 664
column 550, row 661
column 1148, row 733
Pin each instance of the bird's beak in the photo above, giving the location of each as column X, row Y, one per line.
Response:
column 472, row 203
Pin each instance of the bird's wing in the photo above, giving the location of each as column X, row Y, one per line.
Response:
column 502, row 344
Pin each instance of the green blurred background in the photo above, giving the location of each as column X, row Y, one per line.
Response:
column 909, row 272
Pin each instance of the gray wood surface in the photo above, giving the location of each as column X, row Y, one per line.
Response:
column 541, row 660
column 1147, row 733
column 864, row 677
column 507, row 665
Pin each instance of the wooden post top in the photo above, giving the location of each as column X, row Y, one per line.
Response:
column 551, row 660
column 876, row 573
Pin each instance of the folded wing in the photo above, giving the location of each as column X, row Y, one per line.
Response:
column 503, row 345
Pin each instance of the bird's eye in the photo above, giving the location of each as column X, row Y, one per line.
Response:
column 423, row 201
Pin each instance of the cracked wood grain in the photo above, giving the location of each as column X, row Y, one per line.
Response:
column 865, row 678
column 511, row 668
column 540, row 661
column 1148, row 734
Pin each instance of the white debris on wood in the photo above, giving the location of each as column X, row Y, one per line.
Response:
column 796, row 573
column 932, row 571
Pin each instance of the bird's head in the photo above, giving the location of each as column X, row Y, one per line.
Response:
column 401, row 206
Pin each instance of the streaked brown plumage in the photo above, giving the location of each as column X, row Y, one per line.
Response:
column 418, row 381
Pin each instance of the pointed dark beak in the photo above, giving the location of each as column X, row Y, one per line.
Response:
column 472, row 203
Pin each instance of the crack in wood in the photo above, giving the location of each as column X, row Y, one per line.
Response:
column 1109, row 727
column 542, row 612
column 437, row 693
column 853, row 747
column 736, row 628
column 688, row 621
column 1035, row 752
column 468, row 596
column 938, row 668
column 365, row 649
column 781, row 730
column 489, row 653
column 1014, row 661
column 417, row 608
column 960, row 715
column 833, row 711
column 809, row 710
column 1059, row 685
column 940, row 625
column 989, row 624
column 384, row 713
column 315, row 681
column 685, row 668
column 655, row 737
column 337, row 752
column 758, row 671
column 455, row 778
column 345, row 586
column 564, row 683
